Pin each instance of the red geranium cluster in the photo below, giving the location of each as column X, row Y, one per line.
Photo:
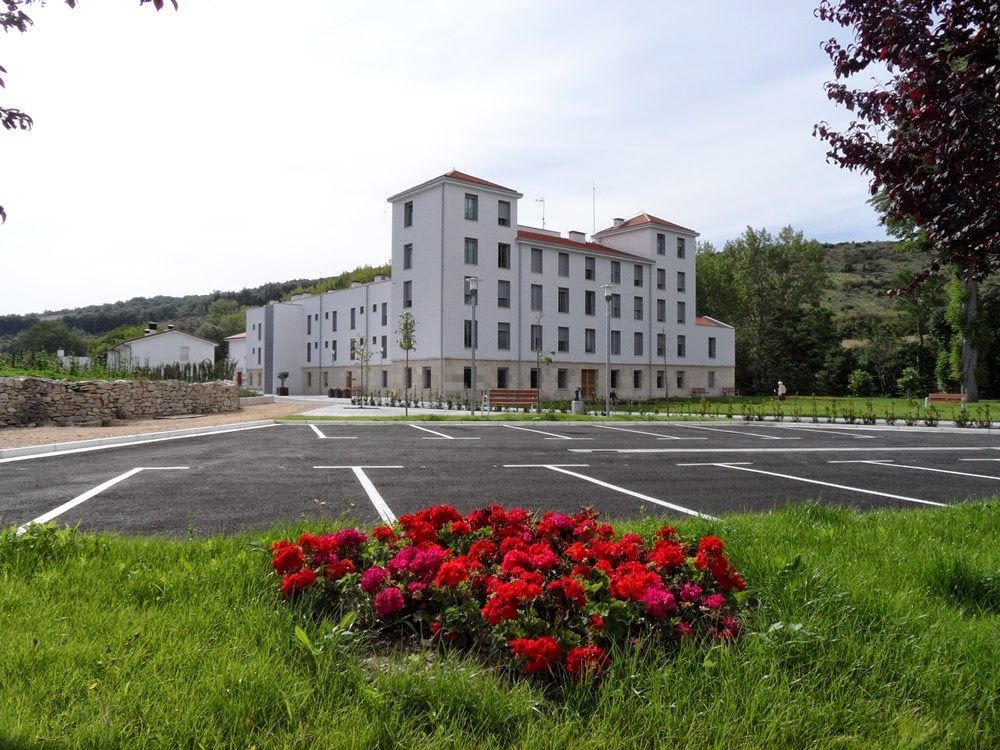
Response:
column 555, row 593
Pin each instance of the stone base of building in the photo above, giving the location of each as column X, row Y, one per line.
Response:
column 558, row 381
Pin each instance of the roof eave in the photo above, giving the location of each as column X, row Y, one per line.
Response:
column 454, row 181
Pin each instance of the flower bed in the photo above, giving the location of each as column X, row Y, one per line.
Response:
column 553, row 595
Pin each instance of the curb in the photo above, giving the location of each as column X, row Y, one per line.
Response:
column 52, row 448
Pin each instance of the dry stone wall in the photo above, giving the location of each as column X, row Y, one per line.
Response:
column 35, row 401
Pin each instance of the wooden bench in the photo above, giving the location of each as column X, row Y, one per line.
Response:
column 697, row 393
column 728, row 391
column 511, row 397
column 944, row 398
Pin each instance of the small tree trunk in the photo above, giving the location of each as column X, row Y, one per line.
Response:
column 970, row 353
column 406, row 387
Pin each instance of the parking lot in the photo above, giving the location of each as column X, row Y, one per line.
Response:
column 253, row 478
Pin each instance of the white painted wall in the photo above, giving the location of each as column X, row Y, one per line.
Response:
column 159, row 349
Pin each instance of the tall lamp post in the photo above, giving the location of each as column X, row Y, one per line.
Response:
column 473, row 282
column 607, row 363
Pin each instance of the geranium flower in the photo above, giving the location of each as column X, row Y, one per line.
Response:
column 297, row 581
column 586, row 661
column 714, row 601
column 288, row 558
column 338, row 569
column 388, row 602
column 571, row 589
column 659, row 603
column 540, row 654
column 373, row 578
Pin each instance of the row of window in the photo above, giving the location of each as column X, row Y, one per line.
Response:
column 471, row 211
column 536, row 341
column 331, row 315
column 661, row 245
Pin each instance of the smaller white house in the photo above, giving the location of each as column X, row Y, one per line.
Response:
column 237, row 353
column 158, row 348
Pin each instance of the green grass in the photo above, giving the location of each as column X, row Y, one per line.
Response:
column 869, row 631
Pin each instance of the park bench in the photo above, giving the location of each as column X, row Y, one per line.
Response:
column 510, row 397
column 944, row 398
column 728, row 391
column 697, row 393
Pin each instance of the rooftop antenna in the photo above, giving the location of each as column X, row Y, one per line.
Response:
column 542, row 201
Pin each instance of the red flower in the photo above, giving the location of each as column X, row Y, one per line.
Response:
column 288, row 558
column 586, row 661
column 666, row 555
column 541, row 654
column 279, row 544
column 597, row 621
column 453, row 572
column 297, row 581
column 383, row 533
column 505, row 598
column 631, row 579
column 460, row 528
column 338, row 569
column 389, row 601
column 571, row 590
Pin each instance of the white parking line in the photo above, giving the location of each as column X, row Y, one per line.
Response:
column 551, row 435
column 327, row 437
column 657, row 435
column 441, row 435
column 79, row 499
column 381, row 507
column 545, row 466
column 889, row 462
column 979, row 459
column 825, row 430
column 616, row 488
column 740, row 467
column 735, row 432
column 832, row 449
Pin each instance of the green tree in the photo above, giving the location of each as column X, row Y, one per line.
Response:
column 407, row 341
column 223, row 318
column 103, row 344
column 48, row 336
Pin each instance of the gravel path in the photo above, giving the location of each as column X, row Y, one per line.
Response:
column 17, row 437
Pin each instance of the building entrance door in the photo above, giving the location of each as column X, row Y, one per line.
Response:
column 588, row 384
column 350, row 380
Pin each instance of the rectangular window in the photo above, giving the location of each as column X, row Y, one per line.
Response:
column 682, row 346
column 333, row 321
column 333, row 351
column 536, row 338
column 589, row 340
column 564, row 264
column 258, row 356
column 408, row 214
column 533, row 377
column 385, row 347
column 503, row 294
column 661, row 278
column 326, row 315
column 589, row 268
column 536, row 297
column 711, row 347
column 616, row 305
column 614, row 378
column 427, row 377
column 589, row 303
column 563, row 299
column 471, row 251
column 680, row 249
column 353, row 349
column 659, row 379
column 637, row 344
column 467, row 377
column 309, row 379
column 536, row 260
column 407, row 256
column 616, row 342
column 309, row 325
column 661, row 244
column 407, row 294
column 259, row 329
column 637, row 275
column 467, row 334
column 637, row 308
column 471, row 207
column 680, row 378
column 385, row 313
column 503, row 335
column 503, row 213
column 681, row 281
column 681, row 312
column 354, row 314
column 185, row 354
column 469, row 293
column 637, row 378
column 385, row 378
column 616, row 272
column 326, row 379
column 661, row 310
column 661, row 344
column 562, row 344
column 309, row 354
column 408, row 377
column 560, row 378
column 711, row 378
column 503, row 255
column 502, row 379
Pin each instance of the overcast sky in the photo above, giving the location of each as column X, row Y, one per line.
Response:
column 237, row 142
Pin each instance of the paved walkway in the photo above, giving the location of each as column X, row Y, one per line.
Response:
column 342, row 407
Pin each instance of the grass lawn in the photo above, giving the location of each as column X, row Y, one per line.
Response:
column 869, row 630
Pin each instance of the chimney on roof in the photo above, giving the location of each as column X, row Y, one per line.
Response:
column 618, row 222
column 151, row 325
column 381, row 278
column 355, row 283
column 170, row 328
column 577, row 236
column 146, row 332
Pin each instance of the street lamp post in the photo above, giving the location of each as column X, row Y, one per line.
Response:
column 607, row 363
column 473, row 282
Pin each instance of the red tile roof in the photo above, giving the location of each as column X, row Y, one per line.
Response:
column 590, row 247
column 644, row 218
column 710, row 322
column 463, row 177
column 160, row 333
column 237, row 336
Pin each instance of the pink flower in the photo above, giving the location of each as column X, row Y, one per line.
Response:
column 684, row 629
column 690, row 592
column 373, row 578
column 715, row 601
column 350, row 538
column 389, row 601
column 659, row 602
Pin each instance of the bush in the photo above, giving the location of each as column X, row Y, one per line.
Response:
column 554, row 596
column 860, row 383
column 910, row 382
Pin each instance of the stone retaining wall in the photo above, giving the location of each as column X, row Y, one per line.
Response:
column 34, row 401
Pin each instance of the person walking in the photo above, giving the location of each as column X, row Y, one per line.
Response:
column 781, row 391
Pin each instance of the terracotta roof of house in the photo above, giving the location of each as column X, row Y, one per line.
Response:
column 160, row 333
column 237, row 336
column 710, row 322
column 463, row 177
column 644, row 218
column 590, row 247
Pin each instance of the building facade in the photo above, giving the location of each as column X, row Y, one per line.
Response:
column 541, row 309
column 159, row 348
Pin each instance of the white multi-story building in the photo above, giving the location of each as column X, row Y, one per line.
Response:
column 540, row 297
